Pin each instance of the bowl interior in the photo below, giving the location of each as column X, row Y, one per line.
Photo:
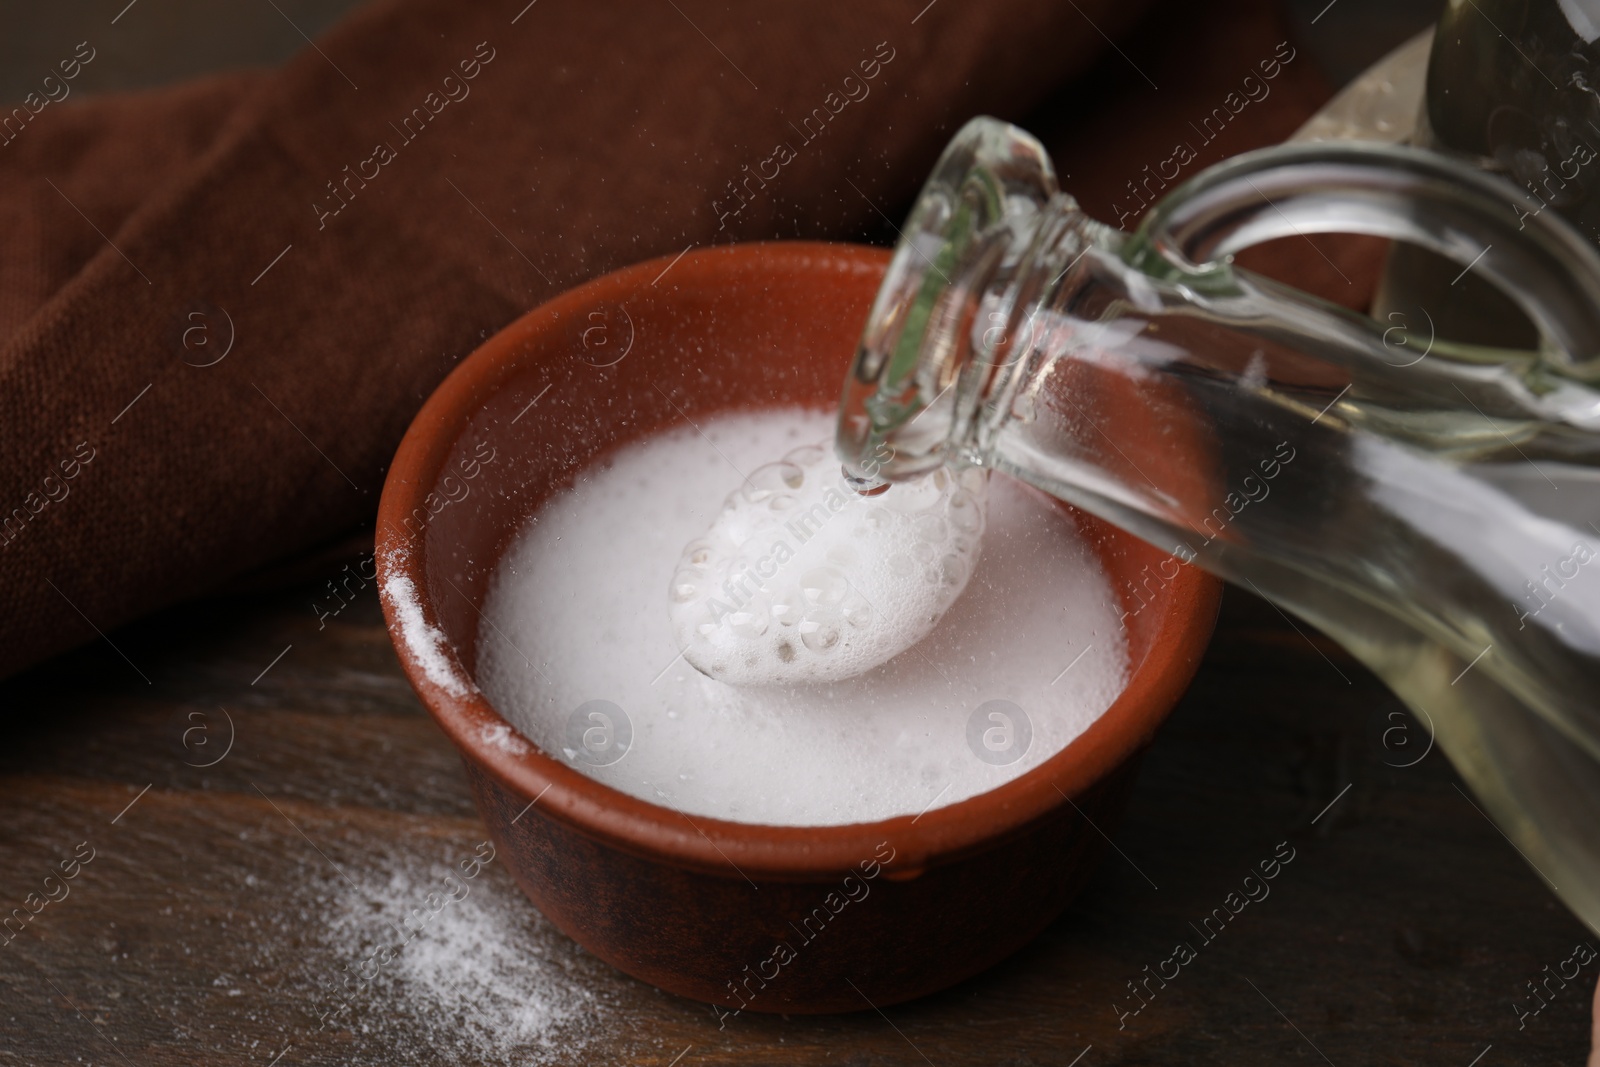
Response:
column 638, row 351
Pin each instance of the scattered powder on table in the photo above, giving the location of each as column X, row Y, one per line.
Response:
column 481, row 979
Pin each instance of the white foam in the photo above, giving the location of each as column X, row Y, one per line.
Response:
column 799, row 579
column 579, row 633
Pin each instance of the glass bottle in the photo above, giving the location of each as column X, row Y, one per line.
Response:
column 1433, row 509
column 1513, row 87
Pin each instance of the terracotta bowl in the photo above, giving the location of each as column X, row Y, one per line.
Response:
column 872, row 913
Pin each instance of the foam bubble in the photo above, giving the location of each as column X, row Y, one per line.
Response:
column 1023, row 662
column 799, row 579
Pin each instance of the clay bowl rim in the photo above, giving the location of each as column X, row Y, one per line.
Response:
column 664, row 833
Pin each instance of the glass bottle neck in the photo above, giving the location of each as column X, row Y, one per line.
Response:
column 990, row 240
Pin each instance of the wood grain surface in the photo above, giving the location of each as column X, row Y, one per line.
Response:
column 223, row 901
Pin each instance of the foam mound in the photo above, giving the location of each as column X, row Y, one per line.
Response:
column 800, row 580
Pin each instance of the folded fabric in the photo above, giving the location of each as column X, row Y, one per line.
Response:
column 103, row 159
column 221, row 305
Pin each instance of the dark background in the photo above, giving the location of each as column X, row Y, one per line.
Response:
column 173, row 40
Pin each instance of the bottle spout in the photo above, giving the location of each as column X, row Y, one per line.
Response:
column 947, row 318
column 863, row 482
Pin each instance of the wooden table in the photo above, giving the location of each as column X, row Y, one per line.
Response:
column 207, row 921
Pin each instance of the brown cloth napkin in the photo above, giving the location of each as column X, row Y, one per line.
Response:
column 359, row 221
column 221, row 304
